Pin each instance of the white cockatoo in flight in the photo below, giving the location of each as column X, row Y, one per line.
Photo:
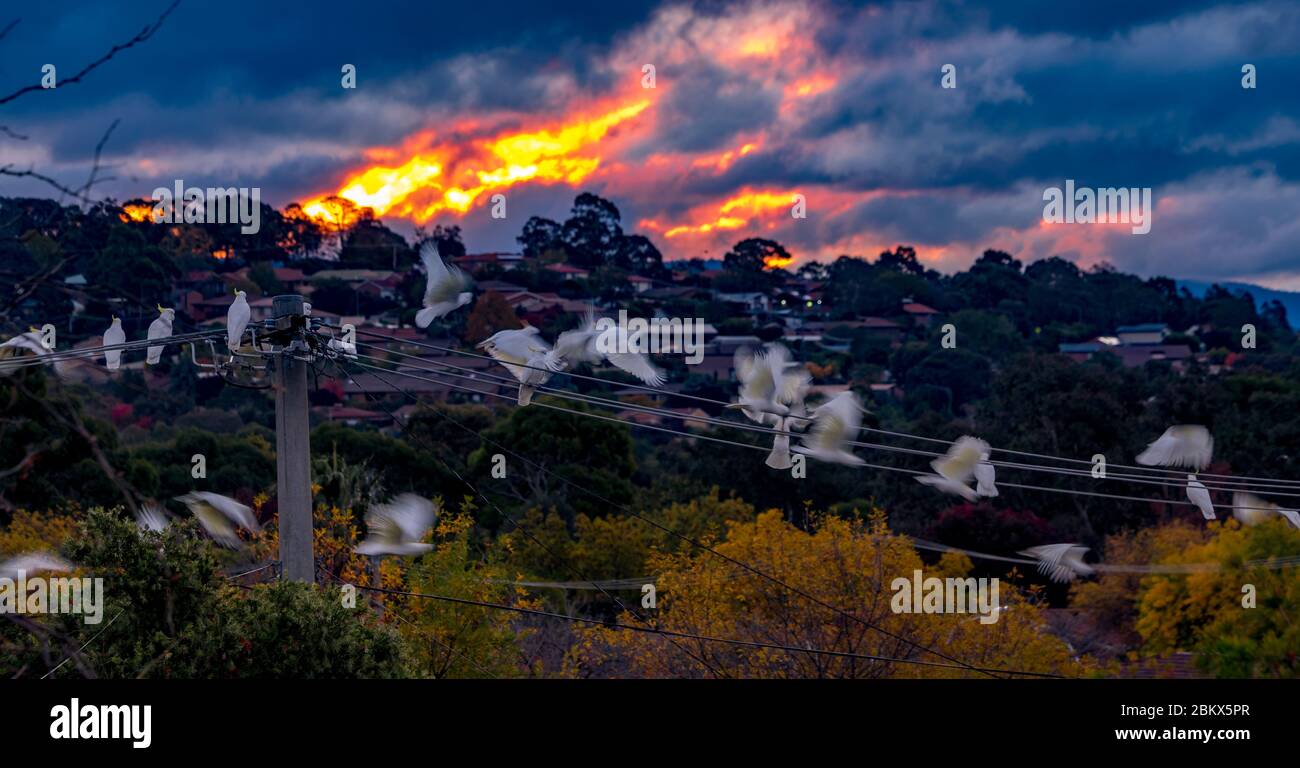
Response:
column 237, row 320
column 151, row 517
column 447, row 288
column 523, row 352
column 1252, row 510
column 396, row 528
column 955, row 469
column 1060, row 562
column 114, row 336
column 1199, row 495
column 30, row 563
column 604, row 341
column 767, row 382
column 835, row 422
column 219, row 515
column 1185, row 445
column 160, row 328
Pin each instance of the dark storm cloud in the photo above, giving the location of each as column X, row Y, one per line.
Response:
column 1104, row 92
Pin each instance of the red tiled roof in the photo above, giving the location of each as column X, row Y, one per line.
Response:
column 289, row 275
column 566, row 269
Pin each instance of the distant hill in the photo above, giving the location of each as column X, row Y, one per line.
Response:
column 1288, row 299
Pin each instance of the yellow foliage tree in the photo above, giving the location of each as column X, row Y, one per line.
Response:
column 1240, row 620
column 1110, row 599
column 35, row 531
column 846, row 564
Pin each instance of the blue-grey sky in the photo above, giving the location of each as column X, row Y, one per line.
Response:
column 754, row 102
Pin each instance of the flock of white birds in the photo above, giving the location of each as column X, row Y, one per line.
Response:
column 772, row 393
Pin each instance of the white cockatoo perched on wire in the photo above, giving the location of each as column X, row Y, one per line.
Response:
column 1252, row 510
column 1060, row 562
column 237, row 320
column 1199, row 495
column 447, row 288
column 1185, row 445
column 14, row 348
column 113, row 336
column 397, row 527
column 30, row 563
column 955, row 469
column 835, row 422
column 986, row 476
column 345, row 348
column 600, row 341
column 219, row 515
column 160, row 328
column 523, row 352
column 792, row 390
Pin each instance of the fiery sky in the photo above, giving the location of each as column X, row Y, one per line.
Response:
column 755, row 105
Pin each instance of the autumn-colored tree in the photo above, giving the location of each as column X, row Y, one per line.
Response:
column 445, row 639
column 491, row 313
column 35, row 531
column 1110, row 601
column 1239, row 620
column 849, row 565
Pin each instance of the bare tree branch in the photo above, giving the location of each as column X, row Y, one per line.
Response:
column 75, row 423
column 7, row 170
column 140, row 37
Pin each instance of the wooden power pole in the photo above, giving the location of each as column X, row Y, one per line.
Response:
column 292, row 439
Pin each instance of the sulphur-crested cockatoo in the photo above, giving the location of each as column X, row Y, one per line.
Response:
column 1252, row 510
column 219, row 515
column 767, row 381
column 446, row 289
column 160, row 328
column 793, row 389
column 1185, row 445
column 1060, row 562
column 30, row 563
column 1199, row 495
column 15, row 347
column 955, row 469
column 986, row 479
column 604, row 341
column 151, row 517
column 835, row 422
column 396, row 528
column 114, row 336
column 237, row 320
column 523, row 352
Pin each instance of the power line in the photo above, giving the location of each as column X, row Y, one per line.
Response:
column 504, row 381
column 420, row 630
column 533, row 538
column 704, row 638
column 1154, row 470
column 709, row 438
column 57, row 356
column 688, row 539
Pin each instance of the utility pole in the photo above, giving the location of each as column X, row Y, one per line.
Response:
column 292, row 444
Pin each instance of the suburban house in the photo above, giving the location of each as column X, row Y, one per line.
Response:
column 1147, row 333
column 475, row 262
column 920, row 314
column 568, row 271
